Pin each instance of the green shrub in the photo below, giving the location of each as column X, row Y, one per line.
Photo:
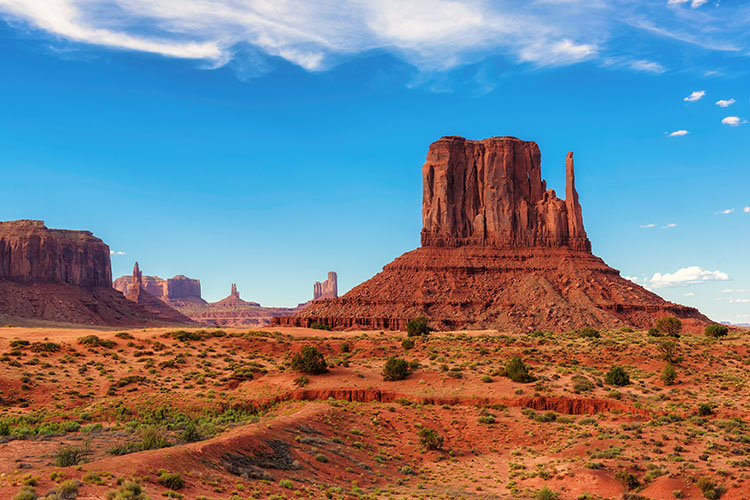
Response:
column 45, row 347
column 417, row 326
column 309, row 361
column 26, row 493
column 716, row 331
column 286, row 483
column 668, row 350
column 517, row 371
column 589, row 333
column 321, row 458
column 68, row 489
column 395, row 369
column 320, row 326
column 669, row 325
column 709, row 489
column 301, row 381
column 705, row 410
column 171, row 480
column 546, row 494
column 68, row 456
column 617, row 376
column 654, row 332
column 407, row 343
column 346, row 347
column 429, row 439
column 486, row 379
column 627, row 479
column 581, row 383
column 94, row 341
column 668, row 374
column 124, row 335
column 129, row 490
column 153, row 438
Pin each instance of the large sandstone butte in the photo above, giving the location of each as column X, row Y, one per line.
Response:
column 177, row 291
column 499, row 251
column 329, row 289
column 137, row 293
column 61, row 276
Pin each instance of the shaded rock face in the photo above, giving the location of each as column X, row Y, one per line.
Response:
column 491, row 193
column 499, row 251
column 32, row 253
column 137, row 293
column 329, row 289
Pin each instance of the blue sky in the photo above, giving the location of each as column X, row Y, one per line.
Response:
column 266, row 143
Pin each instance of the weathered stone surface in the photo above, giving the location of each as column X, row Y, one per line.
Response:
column 499, row 251
column 32, row 253
column 329, row 289
column 491, row 193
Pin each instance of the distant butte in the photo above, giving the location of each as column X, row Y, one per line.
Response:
column 329, row 289
column 499, row 251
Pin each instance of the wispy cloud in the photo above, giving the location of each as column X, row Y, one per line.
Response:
column 678, row 133
column 746, row 210
column 688, row 294
column 646, row 65
column 669, row 226
column 725, row 103
column 724, row 212
column 693, row 3
column 691, row 275
column 696, row 95
column 732, row 121
column 112, row 252
column 648, row 226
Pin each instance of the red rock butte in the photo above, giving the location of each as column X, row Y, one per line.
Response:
column 499, row 251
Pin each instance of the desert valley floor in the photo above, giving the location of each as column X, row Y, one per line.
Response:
column 220, row 414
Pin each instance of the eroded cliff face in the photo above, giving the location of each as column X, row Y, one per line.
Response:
column 491, row 193
column 329, row 289
column 179, row 289
column 32, row 253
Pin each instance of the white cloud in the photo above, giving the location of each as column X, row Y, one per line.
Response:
column 731, row 120
column 725, row 103
column 724, row 212
column 648, row 225
column 691, row 275
column 746, row 210
column 648, row 66
column 112, row 252
column 693, row 3
column 696, row 95
column 678, row 133
column 739, row 301
column 732, row 290
column 669, row 226
column 688, row 294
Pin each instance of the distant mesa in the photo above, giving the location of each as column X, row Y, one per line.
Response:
column 137, row 293
column 329, row 289
column 499, row 251
column 177, row 291
column 61, row 276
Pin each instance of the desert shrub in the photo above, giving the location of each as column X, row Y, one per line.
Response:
column 129, row 490
column 617, row 376
column 429, row 439
column 301, row 381
column 705, row 410
column 346, row 347
column 92, row 477
column 124, row 335
column 65, row 490
column 286, row 483
column 94, row 341
column 716, row 331
column 131, row 379
column 153, row 438
column 320, row 326
column 654, row 332
column 668, row 350
column 321, row 458
column 668, row 374
column 191, row 433
column 68, row 456
column 45, row 347
column 546, row 494
column 486, row 419
column 709, row 488
column 19, row 344
column 171, row 480
column 626, row 329
column 243, row 372
column 486, row 379
column 627, row 479
column 669, row 325
column 26, row 493
column 417, row 326
column 589, row 333
column 581, row 383
column 517, row 371
column 309, row 361
column 395, row 369
column 407, row 343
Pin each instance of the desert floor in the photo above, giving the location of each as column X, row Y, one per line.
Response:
column 220, row 414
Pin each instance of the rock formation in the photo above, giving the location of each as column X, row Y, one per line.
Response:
column 179, row 291
column 32, row 253
column 499, row 250
column 59, row 276
column 329, row 289
column 137, row 293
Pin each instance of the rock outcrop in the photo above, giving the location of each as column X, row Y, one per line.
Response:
column 56, row 276
column 32, row 253
column 499, row 251
column 137, row 293
column 178, row 291
column 329, row 289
